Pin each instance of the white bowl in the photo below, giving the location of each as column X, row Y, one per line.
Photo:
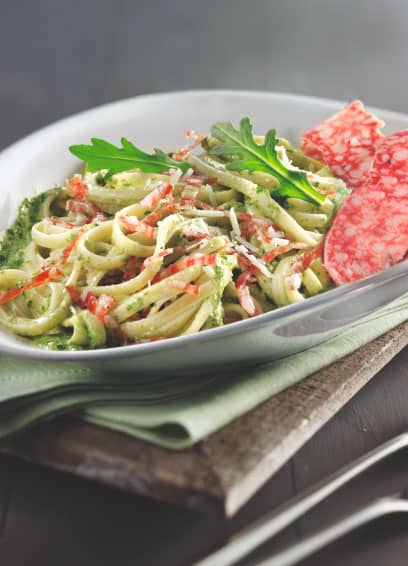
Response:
column 42, row 159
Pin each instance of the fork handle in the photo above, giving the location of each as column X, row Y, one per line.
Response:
column 300, row 551
column 270, row 524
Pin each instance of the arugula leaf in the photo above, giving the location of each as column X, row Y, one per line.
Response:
column 289, row 192
column 104, row 155
column 244, row 153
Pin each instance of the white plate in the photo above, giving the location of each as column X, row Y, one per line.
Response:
column 42, row 160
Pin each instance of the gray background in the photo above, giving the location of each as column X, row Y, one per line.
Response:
column 57, row 58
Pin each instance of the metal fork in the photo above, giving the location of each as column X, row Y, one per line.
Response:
column 310, row 545
column 251, row 537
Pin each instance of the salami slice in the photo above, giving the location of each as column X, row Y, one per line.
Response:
column 346, row 142
column 370, row 233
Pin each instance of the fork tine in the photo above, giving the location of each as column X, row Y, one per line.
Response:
column 317, row 541
column 275, row 521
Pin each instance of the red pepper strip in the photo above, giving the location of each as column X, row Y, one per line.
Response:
column 192, row 202
column 186, row 287
column 12, row 294
column 250, row 224
column 133, row 225
column 151, row 200
column 85, row 208
column 148, row 260
column 77, row 206
column 70, row 248
column 270, row 256
column 105, row 304
column 189, row 202
column 99, row 306
column 75, row 295
column 248, row 265
column 196, row 235
column 90, row 302
column 163, row 211
column 245, row 216
column 244, row 296
column 265, row 234
column 206, row 206
column 77, row 188
column 302, row 263
column 190, row 261
column 62, row 223
column 181, row 154
column 99, row 217
column 307, row 260
column 247, row 226
column 184, row 151
column 244, row 279
column 195, row 180
column 50, row 274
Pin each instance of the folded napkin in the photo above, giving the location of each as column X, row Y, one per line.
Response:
column 176, row 411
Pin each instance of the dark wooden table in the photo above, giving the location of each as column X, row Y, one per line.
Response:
column 57, row 58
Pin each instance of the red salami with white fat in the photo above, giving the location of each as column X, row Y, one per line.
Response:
column 346, row 142
column 370, row 232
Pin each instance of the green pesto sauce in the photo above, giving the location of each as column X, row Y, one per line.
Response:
column 18, row 236
column 56, row 342
column 137, row 305
column 219, row 273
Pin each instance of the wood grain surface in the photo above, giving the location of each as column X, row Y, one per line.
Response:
column 60, row 57
column 224, row 471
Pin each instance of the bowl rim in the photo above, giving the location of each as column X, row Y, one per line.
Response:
column 397, row 271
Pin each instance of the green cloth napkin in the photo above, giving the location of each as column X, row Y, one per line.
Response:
column 174, row 412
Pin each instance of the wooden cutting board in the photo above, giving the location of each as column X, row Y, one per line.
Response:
column 224, row 471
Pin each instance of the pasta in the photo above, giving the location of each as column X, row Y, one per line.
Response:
column 139, row 256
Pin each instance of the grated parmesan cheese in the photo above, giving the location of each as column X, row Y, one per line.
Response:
column 260, row 265
column 275, row 233
column 234, row 222
column 293, row 282
column 211, row 195
column 188, row 173
column 246, row 244
column 205, row 213
column 175, row 175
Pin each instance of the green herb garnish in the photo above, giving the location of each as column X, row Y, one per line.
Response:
column 104, row 155
column 244, row 154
